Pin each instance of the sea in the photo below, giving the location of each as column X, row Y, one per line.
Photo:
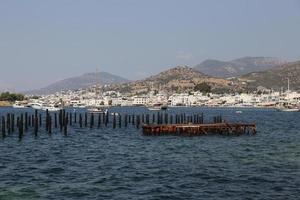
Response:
column 122, row 163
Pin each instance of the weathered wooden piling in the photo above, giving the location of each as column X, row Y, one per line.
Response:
column 55, row 120
column 36, row 122
column 99, row 120
column 3, row 126
column 92, row 120
column 80, row 120
column 114, row 120
column 50, row 125
column 120, row 121
column 26, row 121
column 85, row 120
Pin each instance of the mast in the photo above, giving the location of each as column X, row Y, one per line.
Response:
column 97, row 89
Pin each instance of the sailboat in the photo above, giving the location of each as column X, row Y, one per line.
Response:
column 287, row 106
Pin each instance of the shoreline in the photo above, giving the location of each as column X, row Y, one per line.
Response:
column 5, row 104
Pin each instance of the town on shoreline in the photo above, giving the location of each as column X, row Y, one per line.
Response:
column 94, row 97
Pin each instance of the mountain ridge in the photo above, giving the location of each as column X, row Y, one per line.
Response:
column 275, row 78
column 238, row 67
column 83, row 81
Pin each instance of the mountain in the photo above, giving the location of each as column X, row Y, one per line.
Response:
column 275, row 78
column 177, row 79
column 238, row 67
column 83, row 81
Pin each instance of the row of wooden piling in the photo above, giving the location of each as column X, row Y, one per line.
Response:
column 63, row 120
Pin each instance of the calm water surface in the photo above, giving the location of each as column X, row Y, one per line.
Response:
column 123, row 164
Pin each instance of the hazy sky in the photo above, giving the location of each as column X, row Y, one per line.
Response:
column 45, row 41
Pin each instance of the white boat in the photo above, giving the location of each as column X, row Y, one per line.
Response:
column 51, row 108
column 97, row 110
column 157, row 107
column 79, row 105
column 288, row 109
column 18, row 104
column 36, row 105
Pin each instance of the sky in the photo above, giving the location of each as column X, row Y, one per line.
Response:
column 45, row 41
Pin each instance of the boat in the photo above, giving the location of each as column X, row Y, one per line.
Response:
column 288, row 109
column 36, row 105
column 51, row 108
column 238, row 112
column 19, row 104
column 157, row 107
column 97, row 110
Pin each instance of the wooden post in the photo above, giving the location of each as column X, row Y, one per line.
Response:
column 85, row 120
column 50, row 125
column 40, row 119
column 26, row 121
column 114, row 121
column 99, row 120
column 120, row 120
column 133, row 120
column 66, row 125
column 55, row 120
column 3, row 126
column 80, row 120
column 125, row 120
column 92, row 120
column 70, row 119
column 36, row 123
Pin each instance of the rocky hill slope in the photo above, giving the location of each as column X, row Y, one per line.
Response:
column 83, row 81
column 238, row 67
column 276, row 78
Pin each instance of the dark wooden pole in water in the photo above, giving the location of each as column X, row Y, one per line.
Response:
column 80, row 120
column 8, row 126
column 32, row 120
column 66, row 125
column 40, row 119
column 125, row 120
column 3, row 126
column 133, row 120
column 92, row 120
column 55, row 120
column 114, row 121
column 120, row 121
column 21, row 120
column 75, row 117
column 47, row 119
column 85, row 120
column 99, row 120
column 29, row 120
column 106, row 119
column 26, row 121
column 50, row 125
column 70, row 119
column 12, row 122
column 36, row 123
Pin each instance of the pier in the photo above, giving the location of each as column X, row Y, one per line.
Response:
column 200, row 129
column 153, row 123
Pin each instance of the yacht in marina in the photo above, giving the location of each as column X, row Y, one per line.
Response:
column 19, row 104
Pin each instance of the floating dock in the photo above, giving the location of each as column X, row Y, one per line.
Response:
column 200, row 129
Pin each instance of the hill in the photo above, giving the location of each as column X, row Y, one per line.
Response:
column 238, row 67
column 178, row 79
column 275, row 78
column 83, row 81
